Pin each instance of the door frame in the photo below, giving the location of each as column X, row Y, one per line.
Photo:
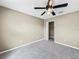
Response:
column 47, row 29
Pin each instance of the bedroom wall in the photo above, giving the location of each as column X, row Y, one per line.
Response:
column 17, row 28
column 67, row 29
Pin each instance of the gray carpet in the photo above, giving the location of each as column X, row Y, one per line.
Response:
column 42, row 50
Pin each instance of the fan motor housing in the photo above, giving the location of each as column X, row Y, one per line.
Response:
column 47, row 7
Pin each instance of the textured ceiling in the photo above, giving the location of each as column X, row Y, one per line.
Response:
column 26, row 6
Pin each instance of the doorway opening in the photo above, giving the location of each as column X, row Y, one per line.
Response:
column 51, row 31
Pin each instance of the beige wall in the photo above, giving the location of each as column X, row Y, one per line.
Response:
column 17, row 28
column 67, row 29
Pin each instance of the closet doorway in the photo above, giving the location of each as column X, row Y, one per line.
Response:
column 51, row 31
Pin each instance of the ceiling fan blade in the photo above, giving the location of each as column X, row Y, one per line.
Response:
column 53, row 13
column 61, row 5
column 39, row 7
column 43, row 13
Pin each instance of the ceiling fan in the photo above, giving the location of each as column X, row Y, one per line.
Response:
column 50, row 7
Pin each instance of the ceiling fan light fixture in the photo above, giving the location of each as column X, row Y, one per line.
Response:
column 49, row 10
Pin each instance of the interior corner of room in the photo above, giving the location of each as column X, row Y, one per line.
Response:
column 65, row 29
column 39, row 29
column 18, row 28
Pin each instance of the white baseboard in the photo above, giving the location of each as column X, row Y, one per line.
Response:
column 67, row 45
column 21, row 46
